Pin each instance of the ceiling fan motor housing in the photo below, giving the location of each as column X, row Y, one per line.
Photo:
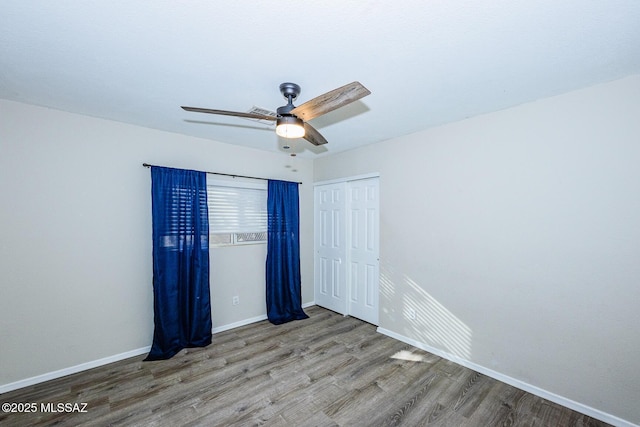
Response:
column 291, row 92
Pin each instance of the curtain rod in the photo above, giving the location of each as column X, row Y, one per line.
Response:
column 147, row 165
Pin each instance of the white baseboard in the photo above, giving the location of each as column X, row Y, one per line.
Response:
column 245, row 322
column 234, row 325
column 72, row 370
column 4, row 388
column 576, row 406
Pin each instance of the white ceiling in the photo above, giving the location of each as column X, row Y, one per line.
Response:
column 425, row 62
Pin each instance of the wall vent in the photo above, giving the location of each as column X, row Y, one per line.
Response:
column 264, row 112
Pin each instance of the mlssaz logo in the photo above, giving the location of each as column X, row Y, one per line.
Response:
column 63, row 407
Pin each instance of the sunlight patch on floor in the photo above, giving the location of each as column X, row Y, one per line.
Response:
column 409, row 356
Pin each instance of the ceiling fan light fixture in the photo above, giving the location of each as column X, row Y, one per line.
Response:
column 289, row 127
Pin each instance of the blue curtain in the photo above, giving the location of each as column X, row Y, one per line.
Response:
column 182, row 306
column 284, row 299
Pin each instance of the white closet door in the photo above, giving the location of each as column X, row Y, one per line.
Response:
column 363, row 249
column 347, row 247
column 330, row 244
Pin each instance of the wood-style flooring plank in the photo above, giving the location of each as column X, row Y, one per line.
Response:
column 328, row 370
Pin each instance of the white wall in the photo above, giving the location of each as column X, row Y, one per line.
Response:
column 75, row 236
column 516, row 238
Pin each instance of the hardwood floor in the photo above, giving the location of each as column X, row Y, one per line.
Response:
column 327, row 370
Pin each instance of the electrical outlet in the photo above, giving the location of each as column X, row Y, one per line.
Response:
column 235, row 300
column 411, row 313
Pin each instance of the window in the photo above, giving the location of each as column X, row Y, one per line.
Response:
column 237, row 213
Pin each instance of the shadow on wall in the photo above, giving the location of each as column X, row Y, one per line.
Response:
column 414, row 313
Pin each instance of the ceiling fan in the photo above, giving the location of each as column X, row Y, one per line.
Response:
column 291, row 121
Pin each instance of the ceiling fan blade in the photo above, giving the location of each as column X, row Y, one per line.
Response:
column 229, row 113
column 330, row 101
column 313, row 136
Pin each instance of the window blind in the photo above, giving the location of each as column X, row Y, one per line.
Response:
column 237, row 209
